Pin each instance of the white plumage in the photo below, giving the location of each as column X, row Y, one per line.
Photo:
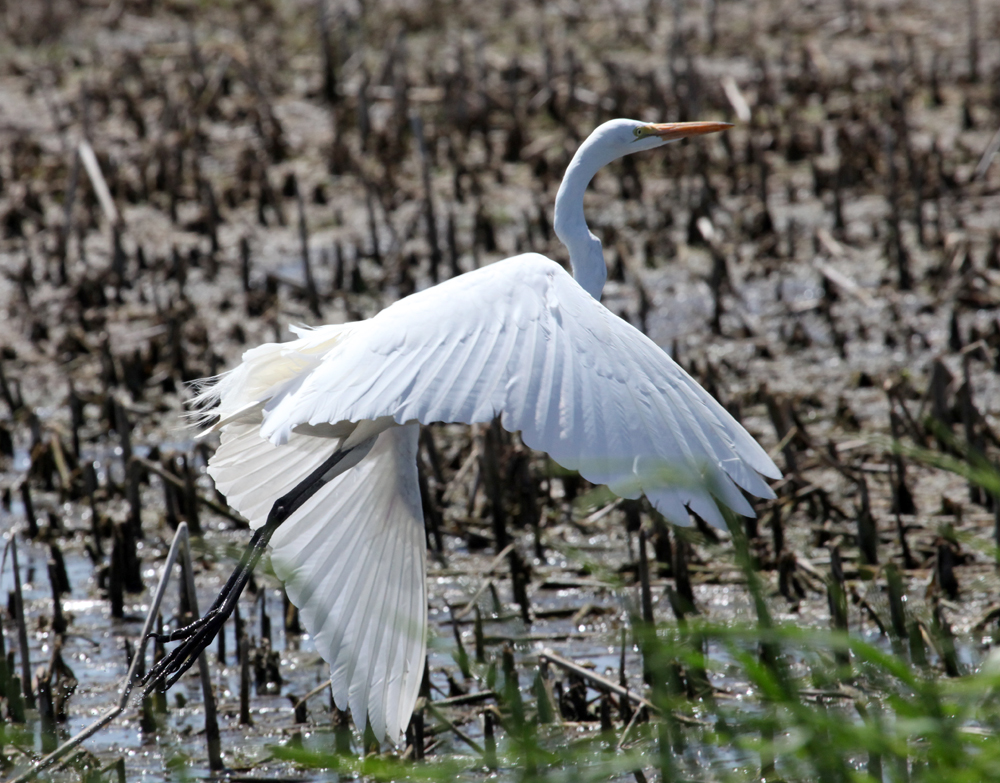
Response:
column 352, row 559
column 521, row 339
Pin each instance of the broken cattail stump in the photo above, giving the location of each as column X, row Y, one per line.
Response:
column 11, row 396
column 491, row 471
column 787, row 583
column 944, row 569
column 178, row 361
column 918, row 649
column 265, row 619
column 15, row 701
column 971, row 422
column 461, row 656
column 245, row 263
column 752, row 527
column 779, row 411
column 414, row 738
column 132, row 562
column 123, row 428
column 624, row 705
column 526, row 494
column 483, row 232
column 480, row 637
column 46, row 710
column 221, row 649
column 432, row 512
column 212, row 219
column 662, row 547
column 312, row 295
column 902, row 498
column 452, row 242
column 338, row 268
column 699, row 686
column 267, row 668
column 171, row 501
column 677, row 604
column 954, row 333
column 867, row 530
column 575, row 699
column 719, row 283
column 644, row 586
column 682, row 576
column 633, row 520
column 54, row 529
column 775, row 522
column 329, row 53
column 159, row 652
column 489, row 741
column 238, row 632
column 836, row 596
column 895, row 249
column 58, row 618
column 416, row 123
column 88, row 475
column 301, row 708
column 133, row 478
column 945, row 641
column 375, row 253
column 190, row 497
column 607, row 727
column 147, row 717
column 897, row 607
column 939, row 390
column 29, row 509
column 358, row 285
column 116, row 577
column 244, row 646
column 290, row 613
column 519, row 579
column 544, row 701
column 22, row 628
column 6, row 443
column 76, row 415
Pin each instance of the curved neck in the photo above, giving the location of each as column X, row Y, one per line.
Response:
column 586, row 256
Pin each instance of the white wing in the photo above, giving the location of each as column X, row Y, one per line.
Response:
column 522, row 339
column 352, row 560
column 519, row 338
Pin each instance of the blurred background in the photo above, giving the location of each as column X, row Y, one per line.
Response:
column 180, row 181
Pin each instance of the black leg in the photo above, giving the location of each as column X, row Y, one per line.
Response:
column 198, row 635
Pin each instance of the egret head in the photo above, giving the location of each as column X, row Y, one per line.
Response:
column 610, row 141
column 623, row 137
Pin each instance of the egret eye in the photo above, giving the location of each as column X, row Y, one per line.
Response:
column 637, row 132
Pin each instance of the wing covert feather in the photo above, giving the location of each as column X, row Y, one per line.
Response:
column 521, row 338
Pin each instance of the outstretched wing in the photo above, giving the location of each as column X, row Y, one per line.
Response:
column 522, row 339
column 351, row 558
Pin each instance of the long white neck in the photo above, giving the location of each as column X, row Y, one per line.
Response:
column 586, row 256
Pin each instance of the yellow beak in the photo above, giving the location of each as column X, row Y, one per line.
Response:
column 680, row 130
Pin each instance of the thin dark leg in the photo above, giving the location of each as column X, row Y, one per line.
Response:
column 198, row 635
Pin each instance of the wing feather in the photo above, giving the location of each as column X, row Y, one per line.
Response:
column 519, row 338
column 352, row 559
column 523, row 339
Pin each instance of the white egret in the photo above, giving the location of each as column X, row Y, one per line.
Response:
column 319, row 436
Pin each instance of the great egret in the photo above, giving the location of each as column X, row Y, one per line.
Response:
column 319, row 436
